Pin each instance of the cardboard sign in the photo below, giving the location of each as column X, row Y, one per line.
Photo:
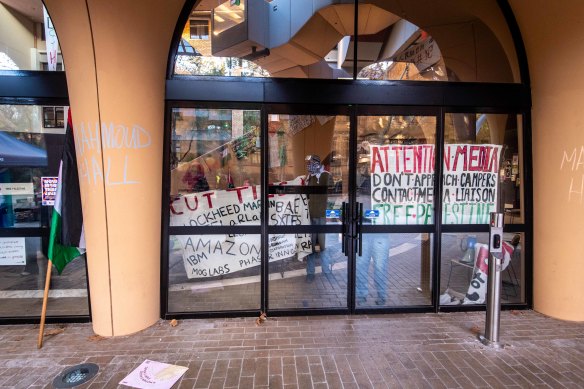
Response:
column 402, row 183
column 216, row 255
column 154, row 375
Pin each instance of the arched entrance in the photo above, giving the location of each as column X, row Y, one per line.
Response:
column 314, row 193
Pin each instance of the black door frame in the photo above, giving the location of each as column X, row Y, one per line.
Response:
column 363, row 97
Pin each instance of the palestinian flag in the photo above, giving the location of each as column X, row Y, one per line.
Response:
column 66, row 241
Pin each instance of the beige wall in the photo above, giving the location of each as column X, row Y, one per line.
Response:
column 16, row 36
column 554, row 39
column 120, row 175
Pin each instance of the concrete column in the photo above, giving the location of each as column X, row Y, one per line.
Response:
column 115, row 54
column 552, row 33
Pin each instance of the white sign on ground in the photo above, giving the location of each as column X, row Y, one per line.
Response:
column 154, row 375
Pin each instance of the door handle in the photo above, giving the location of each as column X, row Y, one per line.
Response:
column 344, row 242
column 359, row 235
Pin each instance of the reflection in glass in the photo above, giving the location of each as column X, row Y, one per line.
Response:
column 394, row 270
column 309, row 279
column 23, row 44
column 215, row 161
column 483, row 168
column 290, row 39
column 264, row 39
column 228, row 14
column 395, row 169
column 468, row 50
column 399, row 50
column 214, row 272
column 308, row 153
column 464, row 273
column 24, row 160
column 23, row 269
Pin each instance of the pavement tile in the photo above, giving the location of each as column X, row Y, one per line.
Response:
column 362, row 351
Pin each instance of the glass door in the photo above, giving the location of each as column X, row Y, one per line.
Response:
column 299, row 209
column 214, row 247
column 308, row 176
column 394, row 186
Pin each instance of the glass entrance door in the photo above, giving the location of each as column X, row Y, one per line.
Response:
column 298, row 209
column 352, row 195
column 394, row 192
column 308, row 176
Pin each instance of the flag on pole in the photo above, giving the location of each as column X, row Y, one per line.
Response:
column 66, row 241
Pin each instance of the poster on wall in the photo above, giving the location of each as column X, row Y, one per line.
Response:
column 12, row 252
column 402, row 183
column 215, row 255
column 48, row 190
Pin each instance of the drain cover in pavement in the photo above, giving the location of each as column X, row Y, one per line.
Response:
column 75, row 375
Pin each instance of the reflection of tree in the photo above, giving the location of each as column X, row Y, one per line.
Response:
column 217, row 66
column 16, row 118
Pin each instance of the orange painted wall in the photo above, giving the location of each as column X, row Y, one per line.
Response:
column 553, row 36
column 118, row 115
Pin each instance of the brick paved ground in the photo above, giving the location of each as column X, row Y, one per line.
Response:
column 385, row 351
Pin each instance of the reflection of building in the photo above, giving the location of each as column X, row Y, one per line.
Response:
column 121, row 82
column 27, row 50
column 313, row 39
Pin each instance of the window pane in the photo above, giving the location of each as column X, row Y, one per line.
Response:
column 23, row 33
column 483, row 168
column 464, row 271
column 214, row 272
column 199, row 29
column 395, row 169
column 303, row 279
column 309, row 152
column 215, row 167
column 394, row 270
column 315, row 39
column 271, row 39
column 23, row 269
column 477, row 48
column 29, row 151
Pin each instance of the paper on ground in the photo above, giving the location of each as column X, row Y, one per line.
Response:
column 155, row 375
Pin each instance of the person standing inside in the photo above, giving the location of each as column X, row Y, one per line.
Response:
column 319, row 180
column 375, row 249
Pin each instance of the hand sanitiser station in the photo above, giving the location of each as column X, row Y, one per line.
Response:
column 491, row 336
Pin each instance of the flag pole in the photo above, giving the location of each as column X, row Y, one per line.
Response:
column 45, row 298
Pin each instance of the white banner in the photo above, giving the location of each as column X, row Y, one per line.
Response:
column 423, row 55
column 215, row 255
column 402, row 183
column 51, row 41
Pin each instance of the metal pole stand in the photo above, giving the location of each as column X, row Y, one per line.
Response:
column 491, row 336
